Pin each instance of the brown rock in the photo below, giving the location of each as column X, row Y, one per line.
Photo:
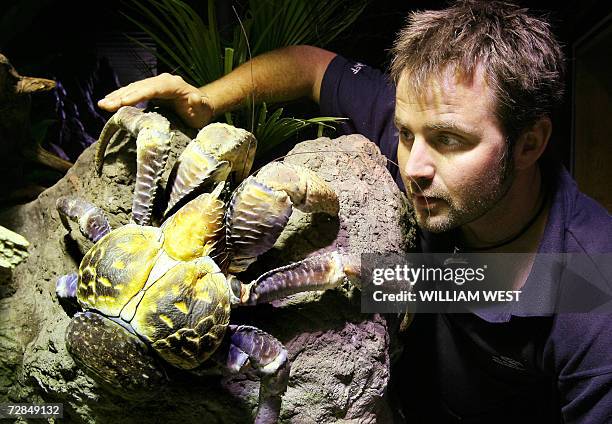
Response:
column 340, row 357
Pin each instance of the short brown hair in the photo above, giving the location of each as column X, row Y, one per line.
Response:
column 523, row 62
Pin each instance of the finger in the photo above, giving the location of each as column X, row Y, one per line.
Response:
column 109, row 104
column 195, row 99
column 112, row 101
column 158, row 87
column 127, row 98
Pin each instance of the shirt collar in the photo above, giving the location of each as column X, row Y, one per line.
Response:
column 539, row 291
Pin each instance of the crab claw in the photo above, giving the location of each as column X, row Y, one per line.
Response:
column 262, row 205
column 321, row 272
column 218, row 150
column 235, row 145
column 153, row 138
column 307, row 191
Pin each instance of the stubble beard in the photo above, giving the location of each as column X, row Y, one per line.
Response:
column 471, row 202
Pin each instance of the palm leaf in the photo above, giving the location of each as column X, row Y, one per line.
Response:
column 275, row 129
column 187, row 45
column 279, row 23
column 193, row 48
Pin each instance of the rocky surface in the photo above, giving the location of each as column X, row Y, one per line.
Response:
column 13, row 251
column 340, row 357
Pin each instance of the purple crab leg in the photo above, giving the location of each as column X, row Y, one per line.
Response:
column 91, row 219
column 66, row 286
column 254, row 220
column 153, row 139
column 262, row 205
column 255, row 352
column 315, row 273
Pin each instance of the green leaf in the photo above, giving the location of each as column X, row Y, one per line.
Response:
column 274, row 129
column 191, row 46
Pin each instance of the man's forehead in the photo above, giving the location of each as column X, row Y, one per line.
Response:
column 449, row 96
column 449, row 84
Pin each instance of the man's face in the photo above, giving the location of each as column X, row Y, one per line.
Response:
column 451, row 152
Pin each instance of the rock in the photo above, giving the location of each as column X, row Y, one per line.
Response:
column 17, row 148
column 340, row 357
column 13, row 250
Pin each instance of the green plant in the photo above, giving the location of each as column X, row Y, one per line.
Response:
column 196, row 50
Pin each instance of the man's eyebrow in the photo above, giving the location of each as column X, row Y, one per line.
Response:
column 450, row 126
column 398, row 124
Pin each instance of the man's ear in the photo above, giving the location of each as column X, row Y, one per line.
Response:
column 532, row 143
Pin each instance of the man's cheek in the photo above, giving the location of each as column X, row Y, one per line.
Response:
column 402, row 158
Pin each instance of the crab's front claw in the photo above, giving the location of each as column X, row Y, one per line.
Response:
column 262, row 205
column 231, row 144
column 218, row 151
column 153, row 139
column 308, row 192
column 321, row 272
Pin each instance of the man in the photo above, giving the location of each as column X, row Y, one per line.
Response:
column 467, row 119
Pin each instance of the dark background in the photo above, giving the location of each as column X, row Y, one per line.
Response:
column 65, row 40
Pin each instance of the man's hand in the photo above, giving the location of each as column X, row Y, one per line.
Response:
column 171, row 90
column 278, row 76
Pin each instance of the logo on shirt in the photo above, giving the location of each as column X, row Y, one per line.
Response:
column 508, row 362
column 357, row 67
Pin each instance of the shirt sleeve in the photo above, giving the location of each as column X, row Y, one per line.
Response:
column 582, row 352
column 366, row 97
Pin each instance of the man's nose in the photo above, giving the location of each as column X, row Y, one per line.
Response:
column 420, row 164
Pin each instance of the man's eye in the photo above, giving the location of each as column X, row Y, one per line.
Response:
column 406, row 136
column 448, row 141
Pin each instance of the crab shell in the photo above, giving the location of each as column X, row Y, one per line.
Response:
column 175, row 299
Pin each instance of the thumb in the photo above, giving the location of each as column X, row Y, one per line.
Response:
column 197, row 111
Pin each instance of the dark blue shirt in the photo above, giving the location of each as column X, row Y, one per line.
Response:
column 505, row 365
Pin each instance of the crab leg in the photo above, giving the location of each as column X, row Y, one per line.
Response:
column 153, row 138
column 315, row 273
column 66, row 286
column 262, row 205
column 218, row 150
column 195, row 170
column 91, row 219
column 252, row 351
column 113, row 356
column 231, row 144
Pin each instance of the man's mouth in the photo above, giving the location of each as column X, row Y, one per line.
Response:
column 425, row 201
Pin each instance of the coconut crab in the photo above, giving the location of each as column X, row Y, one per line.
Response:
column 151, row 293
